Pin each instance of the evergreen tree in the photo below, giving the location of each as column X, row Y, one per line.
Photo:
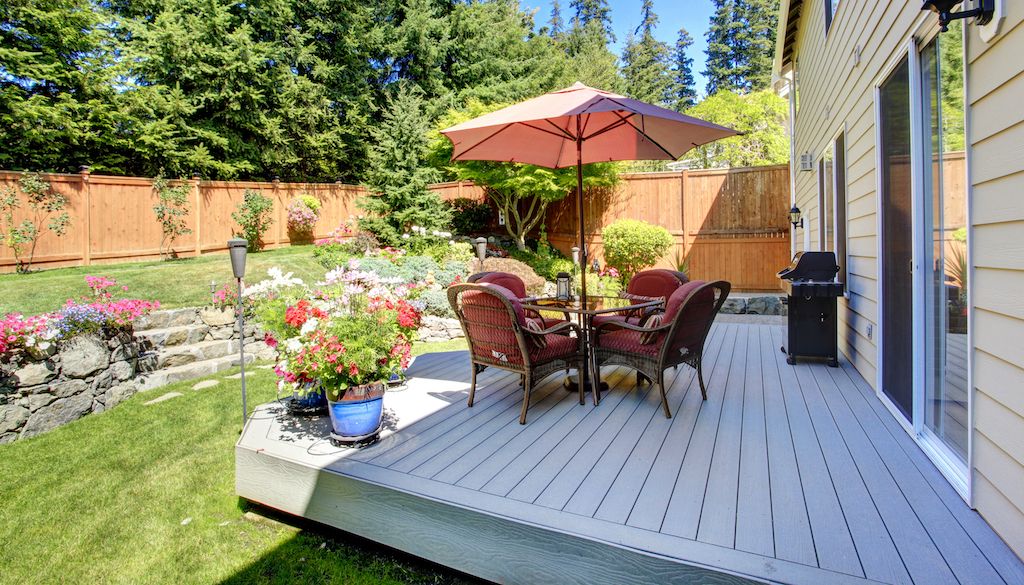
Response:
column 741, row 40
column 646, row 61
column 683, row 92
column 556, row 26
column 594, row 11
column 588, row 59
column 398, row 175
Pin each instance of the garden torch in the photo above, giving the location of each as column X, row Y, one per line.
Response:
column 481, row 250
column 237, row 248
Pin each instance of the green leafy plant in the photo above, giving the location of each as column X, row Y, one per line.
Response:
column 46, row 211
column 958, row 268
column 681, row 261
column 469, row 216
column 254, row 216
column 546, row 265
column 631, row 245
column 171, row 211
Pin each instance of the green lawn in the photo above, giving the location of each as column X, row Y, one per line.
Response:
column 145, row 494
column 175, row 283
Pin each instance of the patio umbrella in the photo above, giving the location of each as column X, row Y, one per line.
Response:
column 576, row 126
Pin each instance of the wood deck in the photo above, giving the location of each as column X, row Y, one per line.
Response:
column 789, row 474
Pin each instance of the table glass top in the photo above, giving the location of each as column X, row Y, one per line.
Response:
column 595, row 304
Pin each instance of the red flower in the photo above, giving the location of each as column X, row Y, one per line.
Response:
column 269, row 340
column 353, row 370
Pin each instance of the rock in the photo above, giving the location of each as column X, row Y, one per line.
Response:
column 84, row 355
column 261, row 350
column 35, row 373
column 122, row 370
column 163, row 398
column 217, row 317
column 66, row 388
column 97, row 407
column 12, row 416
column 205, row 384
column 734, row 306
column 124, row 351
column 178, row 317
column 118, row 394
column 8, row 438
column 42, row 352
column 59, row 413
column 237, row 376
column 221, row 333
column 767, row 305
column 37, row 401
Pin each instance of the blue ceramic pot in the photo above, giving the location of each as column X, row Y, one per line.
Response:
column 314, row 398
column 358, row 412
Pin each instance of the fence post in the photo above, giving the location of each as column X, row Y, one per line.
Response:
column 83, row 172
column 280, row 211
column 199, row 215
column 683, row 178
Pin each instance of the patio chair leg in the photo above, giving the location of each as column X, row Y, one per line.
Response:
column 700, row 378
column 595, row 380
column 641, row 378
column 472, row 386
column 526, row 398
column 664, row 399
column 579, row 387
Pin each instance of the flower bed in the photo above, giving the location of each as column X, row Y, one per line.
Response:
column 60, row 366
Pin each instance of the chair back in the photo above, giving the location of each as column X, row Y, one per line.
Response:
column 505, row 279
column 657, row 282
column 692, row 309
column 492, row 320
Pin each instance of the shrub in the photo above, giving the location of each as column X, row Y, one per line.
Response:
column 534, row 284
column 469, row 216
column 631, row 245
column 254, row 216
column 171, row 211
column 331, row 255
column 303, row 213
column 435, row 302
column 546, row 265
column 46, row 207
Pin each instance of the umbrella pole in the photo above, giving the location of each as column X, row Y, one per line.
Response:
column 579, row 211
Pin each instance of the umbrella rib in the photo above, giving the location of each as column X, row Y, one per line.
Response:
column 562, row 132
column 648, row 137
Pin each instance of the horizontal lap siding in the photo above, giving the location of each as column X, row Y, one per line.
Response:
column 837, row 95
column 995, row 88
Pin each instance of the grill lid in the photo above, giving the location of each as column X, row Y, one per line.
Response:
column 811, row 266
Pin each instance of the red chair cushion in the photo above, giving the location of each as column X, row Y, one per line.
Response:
column 558, row 347
column 600, row 320
column 628, row 341
column 507, row 280
column 653, row 283
column 490, row 326
column 677, row 298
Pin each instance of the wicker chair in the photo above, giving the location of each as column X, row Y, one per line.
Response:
column 676, row 337
column 499, row 336
column 646, row 285
column 514, row 284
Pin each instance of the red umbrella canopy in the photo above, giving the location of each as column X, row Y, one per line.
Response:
column 546, row 130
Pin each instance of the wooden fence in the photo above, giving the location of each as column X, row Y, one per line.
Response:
column 728, row 224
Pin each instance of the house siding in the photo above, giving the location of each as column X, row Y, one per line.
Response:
column 835, row 94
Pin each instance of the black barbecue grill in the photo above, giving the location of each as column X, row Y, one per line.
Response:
column 810, row 282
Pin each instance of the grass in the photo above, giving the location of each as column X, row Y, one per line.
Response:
column 145, row 494
column 175, row 283
column 420, row 347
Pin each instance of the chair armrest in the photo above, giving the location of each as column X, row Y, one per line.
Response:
column 631, row 327
column 560, row 326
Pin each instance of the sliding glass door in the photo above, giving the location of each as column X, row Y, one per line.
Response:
column 945, row 262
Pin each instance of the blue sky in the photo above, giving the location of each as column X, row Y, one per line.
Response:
column 672, row 14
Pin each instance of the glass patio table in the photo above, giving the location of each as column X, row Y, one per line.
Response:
column 596, row 305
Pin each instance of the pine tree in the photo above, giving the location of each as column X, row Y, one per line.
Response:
column 645, row 61
column 683, row 92
column 398, row 175
column 596, row 11
column 740, row 44
column 721, row 55
column 556, row 26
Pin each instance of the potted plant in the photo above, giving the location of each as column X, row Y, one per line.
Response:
column 303, row 213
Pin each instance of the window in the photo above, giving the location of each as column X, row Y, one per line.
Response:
column 832, row 203
column 830, row 11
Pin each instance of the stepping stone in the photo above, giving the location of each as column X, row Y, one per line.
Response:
column 205, row 384
column 237, row 376
column 163, row 398
column 186, row 521
column 265, row 367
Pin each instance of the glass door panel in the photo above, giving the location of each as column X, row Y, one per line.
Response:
column 945, row 232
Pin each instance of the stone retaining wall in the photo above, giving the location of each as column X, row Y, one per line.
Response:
column 89, row 373
column 439, row 329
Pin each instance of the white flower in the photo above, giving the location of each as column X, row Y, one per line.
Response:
column 293, row 345
column 405, row 236
column 309, row 326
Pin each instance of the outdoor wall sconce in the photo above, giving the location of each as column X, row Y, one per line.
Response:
column 983, row 10
column 794, row 217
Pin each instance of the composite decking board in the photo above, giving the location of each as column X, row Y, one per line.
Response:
column 791, row 527
column 716, row 521
column 422, row 445
column 878, row 548
column 861, row 426
column 553, row 483
column 522, row 461
column 393, row 447
column 991, row 545
column 425, row 461
column 964, row 559
column 698, row 470
column 694, row 438
column 621, row 496
column 514, row 458
column 833, row 540
column 753, row 502
column 591, row 492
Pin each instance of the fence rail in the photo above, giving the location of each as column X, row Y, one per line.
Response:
column 728, row 224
